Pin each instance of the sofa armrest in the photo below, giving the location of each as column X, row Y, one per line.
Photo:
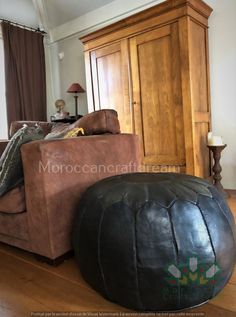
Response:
column 57, row 172
column 3, row 145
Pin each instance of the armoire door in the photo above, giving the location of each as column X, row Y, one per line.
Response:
column 157, row 95
column 110, row 78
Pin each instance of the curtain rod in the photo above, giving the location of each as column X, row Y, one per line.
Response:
column 23, row 26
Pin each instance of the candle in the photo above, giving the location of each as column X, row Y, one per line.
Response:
column 215, row 140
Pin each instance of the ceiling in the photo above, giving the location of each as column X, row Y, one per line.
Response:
column 62, row 11
column 20, row 11
column 57, row 11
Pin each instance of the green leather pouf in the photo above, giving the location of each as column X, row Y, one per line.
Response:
column 155, row 242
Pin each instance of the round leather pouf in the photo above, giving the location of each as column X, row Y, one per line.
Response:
column 155, row 242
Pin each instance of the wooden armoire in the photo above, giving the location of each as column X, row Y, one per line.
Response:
column 153, row 68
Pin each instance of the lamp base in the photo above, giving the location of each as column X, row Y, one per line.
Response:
column 76, row 106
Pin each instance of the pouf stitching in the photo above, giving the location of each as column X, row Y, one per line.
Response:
column 232, row 232
column 212, row 245
column 182, row 187
column 98, row 198
column 99, row 252
column 175, row 244
column 136, row 257
column 99, row 234
column 203, row 186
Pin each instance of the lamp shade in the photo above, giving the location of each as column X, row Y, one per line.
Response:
column 75, row 88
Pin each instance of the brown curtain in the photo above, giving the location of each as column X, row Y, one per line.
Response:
column 25, row 74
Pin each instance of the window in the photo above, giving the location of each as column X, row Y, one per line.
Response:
column 3, row 114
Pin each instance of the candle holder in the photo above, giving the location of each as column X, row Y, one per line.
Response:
column 217, row 169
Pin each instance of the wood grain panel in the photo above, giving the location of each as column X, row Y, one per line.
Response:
column 194, row 7
column 164, row 169
column 201, row 116
column 200, row 96
column 196, row 96
column 198, row 67
column 186, row 93
column 89, row 82
column 157, row 101
column 167, row 12
column 202, row 153
column 111, row 81
column 158, row 61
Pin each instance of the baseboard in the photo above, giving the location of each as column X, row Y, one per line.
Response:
column 231, row 192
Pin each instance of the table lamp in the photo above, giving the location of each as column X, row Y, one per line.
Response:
column 75, row 88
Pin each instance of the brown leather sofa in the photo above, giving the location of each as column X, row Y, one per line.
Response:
column 38, row 216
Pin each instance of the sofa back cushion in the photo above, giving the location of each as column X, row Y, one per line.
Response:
column 99, row 122
column 16, row 125
column 11, row 170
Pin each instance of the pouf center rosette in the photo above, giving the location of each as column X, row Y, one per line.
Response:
column 155, row 242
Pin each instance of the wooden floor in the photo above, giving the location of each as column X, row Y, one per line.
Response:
column 28, row 286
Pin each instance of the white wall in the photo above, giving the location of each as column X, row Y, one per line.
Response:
column 65, row 72
column 222, row 39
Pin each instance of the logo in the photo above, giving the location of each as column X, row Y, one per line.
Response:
column 194, row 272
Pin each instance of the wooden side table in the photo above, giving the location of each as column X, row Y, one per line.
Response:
column 217, row 169
column 70, row 119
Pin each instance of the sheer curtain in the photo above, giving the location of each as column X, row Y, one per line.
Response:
column 3, row 113
column 24, row 73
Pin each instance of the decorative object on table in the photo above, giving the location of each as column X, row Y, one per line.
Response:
column 155, row 242
column 60, row 105
column 217, row 169
column 75, row 88
column 60, row 114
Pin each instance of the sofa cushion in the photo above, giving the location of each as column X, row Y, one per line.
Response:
column 16, row 125
column 11, row 170
column 99, row 122
column 59, row 130
column 60, row 127
column 13, row 201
